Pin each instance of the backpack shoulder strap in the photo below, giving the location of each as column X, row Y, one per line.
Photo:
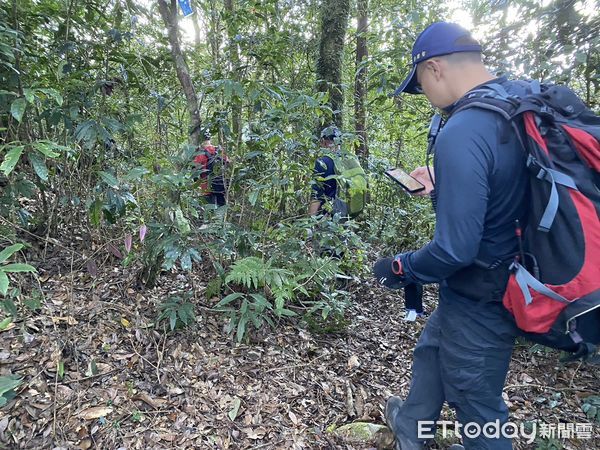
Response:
column 335, row 158
column 492, row 97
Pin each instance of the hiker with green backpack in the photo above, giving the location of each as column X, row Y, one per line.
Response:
column 340, row 179
column 339, row 189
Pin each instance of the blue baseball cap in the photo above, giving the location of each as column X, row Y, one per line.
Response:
column 331, row 132
column 439, row 38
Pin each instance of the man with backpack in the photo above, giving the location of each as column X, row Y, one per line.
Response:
column 209, row 164
column 463, row 353
column 339, row 189
column 339, row 179
column 497, row 167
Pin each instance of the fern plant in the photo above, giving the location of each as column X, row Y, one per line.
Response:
column 254, row 273
column 249, row 272
column 254, row 308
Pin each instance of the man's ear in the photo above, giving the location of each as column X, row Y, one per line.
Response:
column 435, row 66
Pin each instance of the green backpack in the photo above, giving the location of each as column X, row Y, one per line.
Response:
column 352, row 186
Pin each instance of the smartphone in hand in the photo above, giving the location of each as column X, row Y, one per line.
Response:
column 406, row 182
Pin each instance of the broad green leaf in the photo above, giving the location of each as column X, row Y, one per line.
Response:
column 3, row 283
column 8, row 305
column 5, row 323
column 24, row 187
column 11, row 159
column 241, row 328
column 112, row 124
column 195, row 255
column 46, row 148
column 9, row 251
column 286, row 312
column 253, row 154
column 9, row 383
column 87, row 132
column 60, row 70
column 128, row 196
column 29, row 95
column 253, row 197
column 238, row 89
column 260, row 300
column 54, row 94
column 183, row 224
column 92, row 369
column 39, row 165
column 16, row 267
column 279, row 302
column 186, row 261
column 109, row 179
column 96, row 212
column 244, row 307
column 136, row 173
column 17, row 109
column 229, row 299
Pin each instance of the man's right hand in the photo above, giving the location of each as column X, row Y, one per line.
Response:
column 422, row 175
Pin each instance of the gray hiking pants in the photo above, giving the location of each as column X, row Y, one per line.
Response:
column 462, row 358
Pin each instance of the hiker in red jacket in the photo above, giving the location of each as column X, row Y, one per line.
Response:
column 209, row 162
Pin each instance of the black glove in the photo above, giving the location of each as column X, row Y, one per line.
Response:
column 385, row 275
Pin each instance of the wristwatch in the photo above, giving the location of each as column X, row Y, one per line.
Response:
column 397, row 266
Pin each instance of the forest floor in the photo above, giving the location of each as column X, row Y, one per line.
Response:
column 98, row 373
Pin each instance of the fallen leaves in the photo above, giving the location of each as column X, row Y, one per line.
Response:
column 255, row 433
column 235, row 409
column 69, row 320
column 523, row 377
column 155, row 403
column 353, row 362
column 196, row 389
column 95, row 412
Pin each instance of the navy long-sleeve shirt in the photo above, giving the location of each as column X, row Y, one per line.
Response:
column 324, row 189
column 481, row 188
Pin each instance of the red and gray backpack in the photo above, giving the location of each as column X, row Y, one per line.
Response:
column 553, row 290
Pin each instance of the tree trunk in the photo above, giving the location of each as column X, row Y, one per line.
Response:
column 196, row 23
column 360, row 83
column 214, row 34
column 169, row 15
column 334, row 21
column 234, row 58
